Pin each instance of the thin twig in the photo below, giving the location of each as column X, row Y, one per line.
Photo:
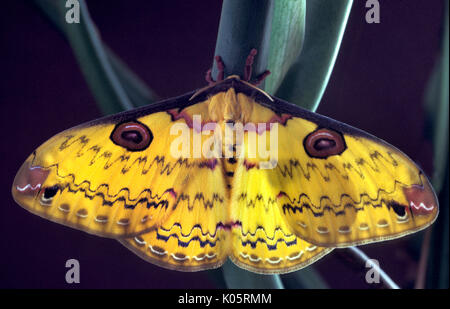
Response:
column 424, row 252
column 359, row 255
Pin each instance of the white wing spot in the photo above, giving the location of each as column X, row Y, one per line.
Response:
column 64, row 209
column 311, row 248
column 179, row 258
column 302, row 224
column 252, row 259
column 123, row 222
column 156, row 251
column 82, row 213
column 382, row 223
column 363, row 227
column 274, row 261
column 211, row 256
column 344, row 229
column 199, row 258
column 402, row 220
column 421, row 205
column 140, row 242
column 322, row 230
column 295, row 257
column 28, row 186
column 101, row 219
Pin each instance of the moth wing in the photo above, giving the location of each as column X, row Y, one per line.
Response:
column 333, row 184
column 193, row 237
column 103, row 178
column 264, row 242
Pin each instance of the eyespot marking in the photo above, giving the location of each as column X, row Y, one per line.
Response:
column 132, row 135
column 323, row 143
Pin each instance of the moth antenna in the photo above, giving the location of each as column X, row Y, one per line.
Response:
column 220, row 68
column 249, row 64
column 256, row 88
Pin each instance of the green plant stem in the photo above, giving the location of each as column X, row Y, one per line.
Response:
column 244, row 25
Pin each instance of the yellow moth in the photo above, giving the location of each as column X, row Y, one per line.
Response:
column 226, row 171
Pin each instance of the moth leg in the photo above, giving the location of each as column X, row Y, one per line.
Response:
column 249, row 64
column 220, row 68
column 248, row 69
column 260, row 78
column 209, row 77
column 220, row 74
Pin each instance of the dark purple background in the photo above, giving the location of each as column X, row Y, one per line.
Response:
column 377, row 85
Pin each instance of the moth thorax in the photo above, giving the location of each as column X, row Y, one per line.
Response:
column 229, row 107
column 232, row 109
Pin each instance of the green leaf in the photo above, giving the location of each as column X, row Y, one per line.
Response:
column 95, row 65
column 114, row 85
column 137, row 91
column 437, row 111
column 286, row 39
column 306, row 80
column 438, row 267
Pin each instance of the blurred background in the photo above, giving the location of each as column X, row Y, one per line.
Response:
column 379, row 84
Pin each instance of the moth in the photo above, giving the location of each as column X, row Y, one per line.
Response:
column 134, row 177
